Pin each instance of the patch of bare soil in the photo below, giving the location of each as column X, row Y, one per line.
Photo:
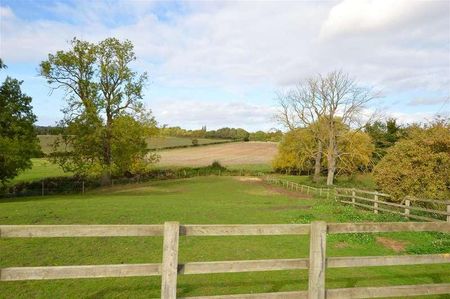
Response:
column 397, row 246
column 341, row 245
column 282, row 208
column 273, row 189
column 248, row 179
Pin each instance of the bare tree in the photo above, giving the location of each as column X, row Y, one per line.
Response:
column 344, row 100
column 303, row 107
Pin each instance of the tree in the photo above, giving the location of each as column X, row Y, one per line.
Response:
column 384, row 135
column 296, row 152
column 417, row 165
column 301, row 107
column 18, row 142
column 345, row 100
column 101, row 89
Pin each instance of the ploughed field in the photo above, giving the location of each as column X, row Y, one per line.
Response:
column 236, row 153
column 208, row 200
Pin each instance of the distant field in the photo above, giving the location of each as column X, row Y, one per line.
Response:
column 42, row 168
column 46, row 142
column 164, row 142
column 236, row 153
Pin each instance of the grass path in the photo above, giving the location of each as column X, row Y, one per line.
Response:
column 211, row 200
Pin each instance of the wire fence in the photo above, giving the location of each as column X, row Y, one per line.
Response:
column 71, row 185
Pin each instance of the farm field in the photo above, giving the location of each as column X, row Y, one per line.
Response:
column 236, row 153
column 46, row 142
column 209, row 200
column 42, row 168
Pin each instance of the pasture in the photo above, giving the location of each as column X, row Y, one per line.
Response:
column 236, row 153
column 46, row 142
column 208, row 200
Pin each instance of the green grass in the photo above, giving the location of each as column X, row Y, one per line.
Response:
column 169, row 142
column 46, row 142
column 42, row 168
column 209, row 200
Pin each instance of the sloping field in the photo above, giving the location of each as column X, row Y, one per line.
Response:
column 227, row 154
column 46, row 142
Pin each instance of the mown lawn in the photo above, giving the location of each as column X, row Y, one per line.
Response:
column 212, row 200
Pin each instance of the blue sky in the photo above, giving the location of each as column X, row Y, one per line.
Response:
column 220, row 63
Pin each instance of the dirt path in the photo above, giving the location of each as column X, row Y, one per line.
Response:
column 274, row 189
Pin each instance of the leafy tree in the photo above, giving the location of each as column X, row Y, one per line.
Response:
column 18, row 142
column 102, row 92
column 297, row 150
column 418, row 165
column 384, row 135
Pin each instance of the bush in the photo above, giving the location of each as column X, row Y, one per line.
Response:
column 418, row 165
column 216, row 165
column 195, row 142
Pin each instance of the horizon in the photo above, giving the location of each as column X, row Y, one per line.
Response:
column 219, row 64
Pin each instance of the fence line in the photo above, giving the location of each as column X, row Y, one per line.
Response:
column 169, row 269
column 378, row 202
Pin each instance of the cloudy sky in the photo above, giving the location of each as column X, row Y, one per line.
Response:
column 219, row 63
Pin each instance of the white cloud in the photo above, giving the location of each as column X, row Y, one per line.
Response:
column 194, row 114
column 392, row 45
column 428, row 101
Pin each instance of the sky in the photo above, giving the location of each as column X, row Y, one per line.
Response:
column 220, row 63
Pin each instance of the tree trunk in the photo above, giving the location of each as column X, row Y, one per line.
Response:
column 106, row 174
column 331, row 157
column 317, row 162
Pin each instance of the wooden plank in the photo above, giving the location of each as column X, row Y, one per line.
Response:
column 389, row 291
column 89, row 230
column 371, row 261
column 366, row 227
column 244, row 229
column 317, row 260
column 441, row 202
column 392, row 211
column 170, row 260
column 242, row 266
column 278, row 295
column 88, row 271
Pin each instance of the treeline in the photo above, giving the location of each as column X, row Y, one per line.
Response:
column 223, row 133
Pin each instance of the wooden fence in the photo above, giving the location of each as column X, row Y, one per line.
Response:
column 299, row 187
column 169, row 269
column 410, row 207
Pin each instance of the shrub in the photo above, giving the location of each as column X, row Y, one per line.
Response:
column 195, row 142
column 418, row 165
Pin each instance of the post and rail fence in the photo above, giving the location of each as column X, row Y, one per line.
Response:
column 169, row 268
column 410, row 207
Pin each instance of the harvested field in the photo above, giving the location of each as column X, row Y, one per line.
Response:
column 227, row 154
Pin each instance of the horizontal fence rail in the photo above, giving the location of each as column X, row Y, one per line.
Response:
column 376, row 201
column 169, row 268
column 373, row 200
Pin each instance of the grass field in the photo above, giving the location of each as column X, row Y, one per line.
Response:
column 214, row 200
column 42, row 168
column 236, row 153
column 46, row 142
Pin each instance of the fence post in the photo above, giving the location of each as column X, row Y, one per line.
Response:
column 448, row 212
column 317, row 259
column 170, row 260
column 375, row 204
column 353, row 197
column 407, row 204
